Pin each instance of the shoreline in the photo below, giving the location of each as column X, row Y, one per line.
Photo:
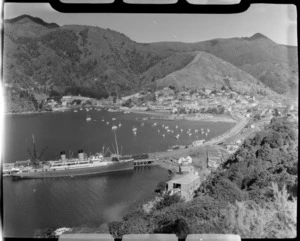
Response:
column 222, row 118
column 166, row 115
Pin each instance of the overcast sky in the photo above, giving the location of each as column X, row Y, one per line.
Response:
column 278, row 22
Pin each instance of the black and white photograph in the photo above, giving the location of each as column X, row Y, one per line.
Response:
column 183, row 126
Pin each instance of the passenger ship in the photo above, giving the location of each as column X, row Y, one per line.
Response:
column 64, row 167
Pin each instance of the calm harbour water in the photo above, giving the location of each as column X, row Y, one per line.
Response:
column 67, row 202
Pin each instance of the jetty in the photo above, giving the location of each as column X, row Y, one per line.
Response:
column 145, row 162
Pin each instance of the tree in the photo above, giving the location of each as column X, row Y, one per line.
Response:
column 161, row 187
column 168, row 200
column 128, row 103
column 276, row 112
column 44, row 233
column 116, row 229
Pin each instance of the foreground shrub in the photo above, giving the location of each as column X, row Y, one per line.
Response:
column 168, row 200
column 272, row 219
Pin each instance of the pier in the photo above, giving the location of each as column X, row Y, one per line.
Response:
column 144, row 162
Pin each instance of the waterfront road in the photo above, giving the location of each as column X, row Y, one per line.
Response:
column 243, row 121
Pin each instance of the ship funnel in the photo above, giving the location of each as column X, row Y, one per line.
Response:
column 63, row 156
column 81, row 155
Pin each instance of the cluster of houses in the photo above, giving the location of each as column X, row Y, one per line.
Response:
column 69, row 101
column 186, row 181
column 202, row 101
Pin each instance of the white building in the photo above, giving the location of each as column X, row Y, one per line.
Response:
column 185, row 184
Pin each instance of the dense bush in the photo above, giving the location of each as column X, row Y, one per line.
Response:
column 252, row 194
column 96, row 93
column 168, row 200
column 64, row 43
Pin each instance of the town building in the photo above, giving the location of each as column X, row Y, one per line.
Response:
column 185, row 185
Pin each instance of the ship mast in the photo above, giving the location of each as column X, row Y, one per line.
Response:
column 114, row 130
column 116, row 144
column 34, row 157
column 34, row 149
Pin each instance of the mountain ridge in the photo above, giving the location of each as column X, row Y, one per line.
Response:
column 88, row 60
column 34, row 19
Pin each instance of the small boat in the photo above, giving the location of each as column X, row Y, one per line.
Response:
column 181, row 130
column 107, row 123
column 120, row 124
column 163, row 135
column 176, row 127
column 154, row 124
column 88, row 118
column 134, row 129
column 75, row 110
column 113, row 119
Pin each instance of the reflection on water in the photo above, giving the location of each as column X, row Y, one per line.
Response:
column 70, row 132
column 67, row 202
column 58, row 202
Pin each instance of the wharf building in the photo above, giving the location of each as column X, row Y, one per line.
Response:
column 185, row 185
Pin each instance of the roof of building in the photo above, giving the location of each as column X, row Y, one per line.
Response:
column 185, row 179
column 150, row 237
column 86, row 236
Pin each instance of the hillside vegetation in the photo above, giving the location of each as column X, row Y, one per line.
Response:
column 248, row 53
column 252, row 194
column 209, row 71
column 44, row 58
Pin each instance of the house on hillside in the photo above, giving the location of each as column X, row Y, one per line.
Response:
column 185, row 185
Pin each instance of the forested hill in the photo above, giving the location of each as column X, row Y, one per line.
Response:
column 252, row 194
column 275, row 65
column 43, row 59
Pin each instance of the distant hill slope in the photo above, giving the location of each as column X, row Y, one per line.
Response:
column 248, row 52
column 72, row 59
column 43, row 58
column 209, row 71
column 27, row 17
column 27, row 26
column 279, row 77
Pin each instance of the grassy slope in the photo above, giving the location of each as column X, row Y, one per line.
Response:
column 250, row 52
column 208, row 71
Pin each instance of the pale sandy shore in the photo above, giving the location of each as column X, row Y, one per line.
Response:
column 27, row 113
column 173, row 117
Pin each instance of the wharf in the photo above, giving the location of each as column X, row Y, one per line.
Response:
column 144, row 162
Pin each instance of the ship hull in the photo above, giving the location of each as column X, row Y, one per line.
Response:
column 76, row 172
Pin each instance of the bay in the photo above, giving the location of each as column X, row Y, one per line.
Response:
column 67, row 202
